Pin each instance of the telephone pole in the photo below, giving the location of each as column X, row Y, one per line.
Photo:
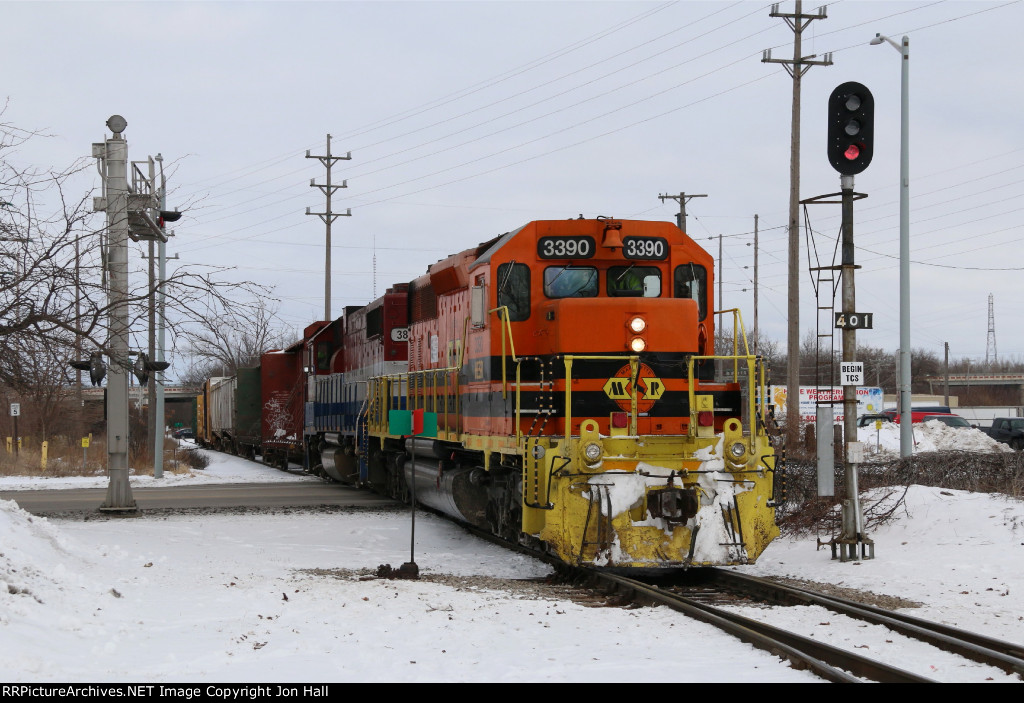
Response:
column 755, row 286
column 328, row 216
column 796, row 67
column 682, row 199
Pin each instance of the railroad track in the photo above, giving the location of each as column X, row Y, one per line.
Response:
column 709, row 598
column 708, row 602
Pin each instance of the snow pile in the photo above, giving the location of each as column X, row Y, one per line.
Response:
column 223, row 468
column 932, row 436
column 45, row 590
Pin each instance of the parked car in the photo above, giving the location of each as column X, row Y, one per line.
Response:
column 1008, row 430
column 946, row 419
column 184, row 433
column 917, row 414
column 869, row 419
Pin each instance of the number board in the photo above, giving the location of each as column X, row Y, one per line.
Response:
column 566, row 247
column 399, row 334
column 646, row 248
column 854, row 320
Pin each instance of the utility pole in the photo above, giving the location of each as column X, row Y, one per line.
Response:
column 796, row 67
column 682, row 198
column 328, row 216
column 720, row 306
column 945, row 383
column 161, row 309
column 755, row 285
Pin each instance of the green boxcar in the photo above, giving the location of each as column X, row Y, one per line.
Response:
column 248, row 407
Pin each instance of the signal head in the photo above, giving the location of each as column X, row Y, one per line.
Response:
column 851, row 113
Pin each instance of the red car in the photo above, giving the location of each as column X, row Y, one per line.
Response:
column 917, row 416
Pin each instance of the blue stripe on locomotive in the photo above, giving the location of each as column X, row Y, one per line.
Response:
column 336, row 405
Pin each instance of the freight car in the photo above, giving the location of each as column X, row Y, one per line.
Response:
column 567, row 373
column 220, row 408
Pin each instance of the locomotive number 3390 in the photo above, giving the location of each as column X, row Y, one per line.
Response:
column 565, row 247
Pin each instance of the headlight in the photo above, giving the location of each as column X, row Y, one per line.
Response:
column 638, row 325
column 637, row 344
column 738, row 449
column 592, row 452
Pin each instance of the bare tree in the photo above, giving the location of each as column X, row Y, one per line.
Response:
column 53, row 290
column 229, row 336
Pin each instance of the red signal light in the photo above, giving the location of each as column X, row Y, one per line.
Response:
column 852, row 152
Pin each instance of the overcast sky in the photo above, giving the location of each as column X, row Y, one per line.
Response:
column 468, row 119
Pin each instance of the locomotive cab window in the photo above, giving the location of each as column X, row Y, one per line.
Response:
column 570, row 282
column 634, row 281
column 323, row 356
column 691, row 281
column 514, row 290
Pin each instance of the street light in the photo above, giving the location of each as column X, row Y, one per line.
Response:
column 906, row 431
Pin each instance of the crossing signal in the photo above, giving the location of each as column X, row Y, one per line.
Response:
column 851, row 128
column 94, row 365
column 143, row 366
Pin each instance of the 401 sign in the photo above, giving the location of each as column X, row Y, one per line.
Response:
column 854, row 320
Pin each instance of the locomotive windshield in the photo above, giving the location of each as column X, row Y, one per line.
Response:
column 691, row 281
column 634, row 281
column 570, row 282
column 514, row 290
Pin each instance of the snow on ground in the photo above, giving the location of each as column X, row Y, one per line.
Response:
column 278, row 598
column 928, row 437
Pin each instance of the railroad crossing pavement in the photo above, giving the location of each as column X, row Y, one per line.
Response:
column 228, row 495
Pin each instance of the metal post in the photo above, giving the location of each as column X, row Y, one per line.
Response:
column 852, row 538
column 119, row 491
column 906, row 400
column 152, row 434
column 158, row 376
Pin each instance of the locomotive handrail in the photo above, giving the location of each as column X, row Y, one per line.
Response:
column 738, row 330
column 752, row 384
column 506, row 329
column 408, row 381
column 634, row 368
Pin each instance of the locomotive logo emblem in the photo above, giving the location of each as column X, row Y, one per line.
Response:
column 649, row 388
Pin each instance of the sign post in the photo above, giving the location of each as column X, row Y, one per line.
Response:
column 410, row 424
column 15, row 412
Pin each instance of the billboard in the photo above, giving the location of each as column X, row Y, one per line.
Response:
column 869, row 400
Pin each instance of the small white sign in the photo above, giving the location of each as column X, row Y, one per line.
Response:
column 15, row 409
column 851, row 373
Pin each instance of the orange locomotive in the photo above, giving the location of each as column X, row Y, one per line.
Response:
column 569, row 367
